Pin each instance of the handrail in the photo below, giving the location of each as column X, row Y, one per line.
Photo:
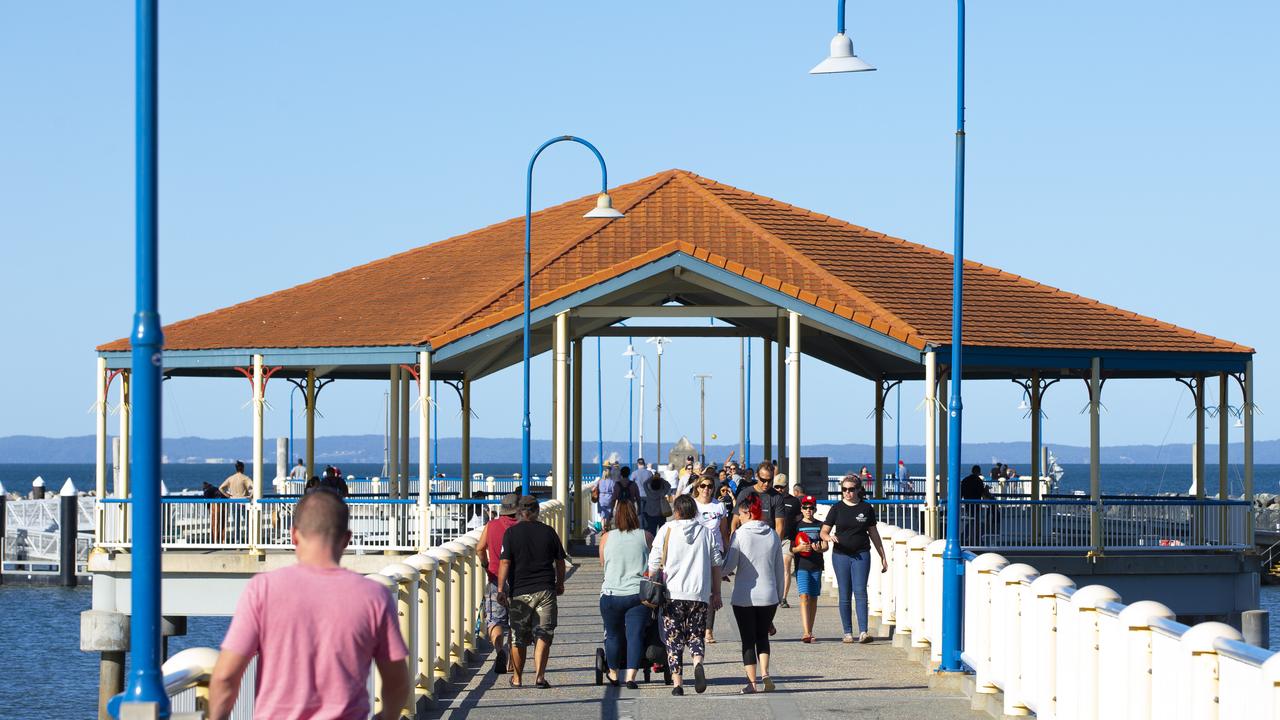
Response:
column 1244, row 652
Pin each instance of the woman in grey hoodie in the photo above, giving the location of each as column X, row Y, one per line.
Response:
column 755, row 557
column 689, row 556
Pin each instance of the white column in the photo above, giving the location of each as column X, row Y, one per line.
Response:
column 424, row 450
column 1095, row 438
column 393, row 432
column 258, row 473
column 126, row 425
column 793, row 400
column 311, row 423
column 560, row 468
column 403, row 464
column 930, row 443
column 1246, row 409
column 100, row 422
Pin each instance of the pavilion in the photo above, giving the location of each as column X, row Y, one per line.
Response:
column 688, row 246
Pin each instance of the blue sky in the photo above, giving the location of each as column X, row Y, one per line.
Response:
column 1124, row 151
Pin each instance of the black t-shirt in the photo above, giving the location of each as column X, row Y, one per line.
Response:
column 813, row 530
column 768, row 503
column 972, row 488
column 532, row 548
column 851, row 523
column 789, row 511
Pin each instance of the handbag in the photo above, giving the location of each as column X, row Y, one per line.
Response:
column 653, row 587
column 664, row 506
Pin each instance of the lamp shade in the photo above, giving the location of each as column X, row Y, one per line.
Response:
column 603, row 208
column 631, row 375
column 630, row 351
column 841, row 59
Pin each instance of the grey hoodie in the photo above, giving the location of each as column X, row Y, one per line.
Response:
column 691, row 553
column 755, row 556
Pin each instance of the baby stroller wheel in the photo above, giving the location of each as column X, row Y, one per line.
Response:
column 647, row 674
column 600, row 666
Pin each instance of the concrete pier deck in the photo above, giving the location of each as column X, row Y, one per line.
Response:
column 827, row 678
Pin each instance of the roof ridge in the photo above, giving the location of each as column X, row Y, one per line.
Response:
column 800, row 257
column 660, row 179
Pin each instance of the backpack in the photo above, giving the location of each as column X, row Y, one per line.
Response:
column 626, row 490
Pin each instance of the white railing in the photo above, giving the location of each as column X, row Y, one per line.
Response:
column 1071, row 653
column 439, row 595
column 488, row 486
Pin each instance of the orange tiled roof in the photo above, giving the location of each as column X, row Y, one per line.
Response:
column 441, row 292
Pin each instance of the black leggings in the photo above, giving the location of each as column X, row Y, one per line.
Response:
column 753, row 626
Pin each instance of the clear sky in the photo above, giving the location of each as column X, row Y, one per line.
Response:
column 1124, row 151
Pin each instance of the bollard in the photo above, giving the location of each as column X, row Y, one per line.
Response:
column 1255, row 625
column 106, row 633
column 4, row 533
column 458, row 602
column 68, row 529
column 1135, row 682
column 977, row 645
column 425, row 645
column 1041, row 642
column 1013, row 585
column 1084, row 700
column 37, row 488
column 933, row 599
column 470, row 598
column 443, row 664
column 876, row 581
column 897, row 550
column 916, row 559
column 390, row 585
column 1202, row 667
column 406, row 578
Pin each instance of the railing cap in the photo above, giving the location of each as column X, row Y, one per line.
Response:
column 459, row 548
column 1090, row 596
column 989, row 562
column 937, row 546
column 421, row 562
column 382, row 580
column 400, row 571
column 198, row 660
column 901, row 535
column 1018, row 573
column 442, row 553
column 919, row 542
column 1271, row 669
column 1140, row 614
column 1200, row 638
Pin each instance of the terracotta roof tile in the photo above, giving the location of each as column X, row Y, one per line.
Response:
column 441, row 292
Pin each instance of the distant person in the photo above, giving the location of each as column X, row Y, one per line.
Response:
column 807, row 548
column 972, row 517
column 904, row 479
column 626, row 489
column 313, row 650
column 755, row 561
column 489, row 550
column 850, row 527
column 972, row 487
column 686, row 476
column 299, row 471
column 788, row 506
column 334, row 482
column 714, row 517
column 689, row 557
column 624, row 552
column 238, row 485
column 313, row 483
column 217, row 513
column 764, row 488
column 530, row 578
column 655, row 491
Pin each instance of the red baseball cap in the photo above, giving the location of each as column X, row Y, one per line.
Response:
column 808, row 500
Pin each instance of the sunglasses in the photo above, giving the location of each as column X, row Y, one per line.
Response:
column 704, row 485
column 808, row 507
column 849, row 489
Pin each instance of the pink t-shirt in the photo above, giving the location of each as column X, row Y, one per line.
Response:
column 315, row 632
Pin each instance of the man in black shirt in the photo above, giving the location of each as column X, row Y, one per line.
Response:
column 768, row 499
column 972, row 517
column 788, row 506
column 530, row 577
column 972, row 487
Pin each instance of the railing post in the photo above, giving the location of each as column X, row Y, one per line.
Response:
column 1202, row 668
column 1084, row 604
column 425, row 638
column 878, row 582
column 1041, row 643
column 899, row 571
column 1135, row 622
column 916, row 560
column 933, row 598
column 406, row 577
column 470, row 600
column 977, row 631
column 443, row 617
column 457, row 602
column 390, row 585
column 1013, row 585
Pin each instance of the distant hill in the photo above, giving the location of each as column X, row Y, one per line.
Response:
column 368, row 449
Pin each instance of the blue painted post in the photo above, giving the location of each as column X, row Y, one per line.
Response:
column 631, row 413
column 746, row 453
column 952, row 561
column 599, row 404
column 145, row 682
column 526, row 425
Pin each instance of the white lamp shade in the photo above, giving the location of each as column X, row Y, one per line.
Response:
column 603, row 208
column 841, row 59
column 631, row 351
column 631, row 375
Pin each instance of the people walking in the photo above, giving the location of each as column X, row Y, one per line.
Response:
column 687, row 555
column 624, row 552
column 763, row 487
column 655, row 493
column 530, row 578
column 315, row 627
column 807, row 548
column 788, row 505
column 850, row 527
column 489, row 550
column 715, row 518
column 755, row 561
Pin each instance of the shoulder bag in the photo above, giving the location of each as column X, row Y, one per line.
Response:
column 653, row 587
column 664, row 506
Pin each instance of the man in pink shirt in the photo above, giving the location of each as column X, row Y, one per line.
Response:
column 315, row 628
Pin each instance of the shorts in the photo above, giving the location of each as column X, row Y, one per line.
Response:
column 786, row 549
column 533, row 616
column 495, row 613
column 809, row 582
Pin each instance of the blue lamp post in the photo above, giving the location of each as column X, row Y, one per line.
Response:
column 603, row 209
column 842, row 59
column 146, row 685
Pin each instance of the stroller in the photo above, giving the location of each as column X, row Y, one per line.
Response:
column 655, row 655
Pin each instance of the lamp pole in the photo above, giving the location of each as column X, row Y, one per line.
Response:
column 630, row 355
column 658, row 342
column 599, row 402
column 702, row 403
column 842, row 59
column 603, row 209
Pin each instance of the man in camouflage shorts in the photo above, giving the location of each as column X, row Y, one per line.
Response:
column 533, row 562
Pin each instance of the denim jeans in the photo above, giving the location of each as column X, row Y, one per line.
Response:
column 625, row 621
column 851, row 577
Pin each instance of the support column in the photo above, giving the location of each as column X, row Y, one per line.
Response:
column 126, row 443
column 782, row 391
column 931, row 444
column 1199, row 467
column 393, row 433
column 574, row 509
column 259, row 386
column 466, row 437
column 311, row 423
column 942, row 434
column 1095, row 439
column 1036, row 470
column 1246, row 410
column 403, row 463
column 424, row 453
column 793, row 402
column 99, row 449
column 878, row 483
column 1224, row 440
column 766, row 377
column 561, row 465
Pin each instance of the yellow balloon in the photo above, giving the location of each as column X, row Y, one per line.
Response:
column 713, row 436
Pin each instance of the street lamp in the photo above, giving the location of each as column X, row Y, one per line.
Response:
column 658, row 341
column 630, row 377
column 603, row 209
column 842, row 59
column 702, row 379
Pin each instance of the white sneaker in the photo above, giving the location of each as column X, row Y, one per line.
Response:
column 864, row 638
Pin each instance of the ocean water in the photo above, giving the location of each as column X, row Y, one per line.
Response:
column 1119, row 479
